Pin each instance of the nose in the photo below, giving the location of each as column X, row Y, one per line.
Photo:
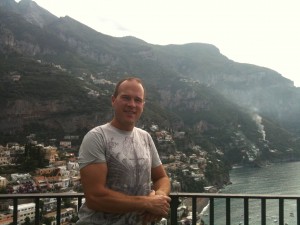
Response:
column 131, row 102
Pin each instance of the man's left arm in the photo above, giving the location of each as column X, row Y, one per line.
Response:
column 161, row 181
column 161, row 186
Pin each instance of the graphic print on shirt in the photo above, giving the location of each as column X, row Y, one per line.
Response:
column 129, row 169
column 129, row 166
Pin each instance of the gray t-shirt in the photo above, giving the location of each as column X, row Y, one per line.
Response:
column 129, row 156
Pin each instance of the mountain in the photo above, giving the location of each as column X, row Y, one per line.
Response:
column 57, row 76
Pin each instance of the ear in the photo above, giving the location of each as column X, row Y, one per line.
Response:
column 113, row 99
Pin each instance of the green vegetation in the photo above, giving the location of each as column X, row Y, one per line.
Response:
column 47, row 72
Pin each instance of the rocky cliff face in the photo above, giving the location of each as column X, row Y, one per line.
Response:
column 191, row 87
column 56, row 115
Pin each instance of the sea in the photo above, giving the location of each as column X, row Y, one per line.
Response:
column 277, row 179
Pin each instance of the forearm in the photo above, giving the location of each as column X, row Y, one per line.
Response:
column 100, row 198
column 116, row 202
column 162, row 186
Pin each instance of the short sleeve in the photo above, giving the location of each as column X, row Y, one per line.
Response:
column 92, row 149
column 155, row 157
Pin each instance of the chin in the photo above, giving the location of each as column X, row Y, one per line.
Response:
column 132, row 123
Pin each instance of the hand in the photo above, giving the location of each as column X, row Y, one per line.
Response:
column 158, row 205
column 148, row 217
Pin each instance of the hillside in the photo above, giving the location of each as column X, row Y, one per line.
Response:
column 57, row 76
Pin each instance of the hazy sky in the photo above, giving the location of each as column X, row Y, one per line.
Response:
column 261, row 32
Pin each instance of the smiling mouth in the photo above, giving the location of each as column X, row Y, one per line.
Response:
column 130, row 112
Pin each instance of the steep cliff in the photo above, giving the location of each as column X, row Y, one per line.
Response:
column 57, row 76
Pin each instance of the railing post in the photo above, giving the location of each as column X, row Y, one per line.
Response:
column 246, row 211
column 298, row 211
column 58, row 210
column 174, row 205
column 194, row 210
column 211, row 211
column 263, row 211
column 37, row 211
column 281, row 211
column 79, row 203
column 15, row 216
column 228, row 211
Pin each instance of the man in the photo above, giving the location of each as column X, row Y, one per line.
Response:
column 118, row 161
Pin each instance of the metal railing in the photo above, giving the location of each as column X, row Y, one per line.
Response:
column 176, row 201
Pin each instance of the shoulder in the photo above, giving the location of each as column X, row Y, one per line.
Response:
column 95, row 133
column 141, row 131
column 145, row 135
column 98, row 129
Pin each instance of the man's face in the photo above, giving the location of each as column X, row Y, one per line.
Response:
column 128, row 105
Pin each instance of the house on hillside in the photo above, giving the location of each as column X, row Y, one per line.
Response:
column 65, row 144
column 24, row 210
column 3, row 183
column 51, row 154
column 66, row 215
column 5, row 158
column 6, row 218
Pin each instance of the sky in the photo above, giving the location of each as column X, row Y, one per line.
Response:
column 260, row 32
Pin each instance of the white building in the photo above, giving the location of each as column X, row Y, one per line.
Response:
column 4, row 156
column 20, row 176
column 3, row 182
column 24, row 210
column 66, row 216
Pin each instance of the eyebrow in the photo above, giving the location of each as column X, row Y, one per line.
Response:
column 135, row 98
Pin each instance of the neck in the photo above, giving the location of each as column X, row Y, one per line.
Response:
column 116, row 124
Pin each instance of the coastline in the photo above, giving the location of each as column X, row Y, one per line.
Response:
column 202, row 204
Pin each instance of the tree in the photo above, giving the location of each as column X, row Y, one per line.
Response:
column 67, row 203
column 3, row 190
column 74, row 218
column 48, row 220
column 27, row 221
column 34, row 157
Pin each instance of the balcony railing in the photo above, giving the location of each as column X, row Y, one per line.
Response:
column 176, row 200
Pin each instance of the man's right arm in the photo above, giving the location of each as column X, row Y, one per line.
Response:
column 100, row 198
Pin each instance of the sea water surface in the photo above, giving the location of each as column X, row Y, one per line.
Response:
column 278, row 179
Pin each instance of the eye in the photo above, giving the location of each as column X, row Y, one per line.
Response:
column 138, row 100
column 126, row 98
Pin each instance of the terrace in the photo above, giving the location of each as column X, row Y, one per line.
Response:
column 176, row 199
